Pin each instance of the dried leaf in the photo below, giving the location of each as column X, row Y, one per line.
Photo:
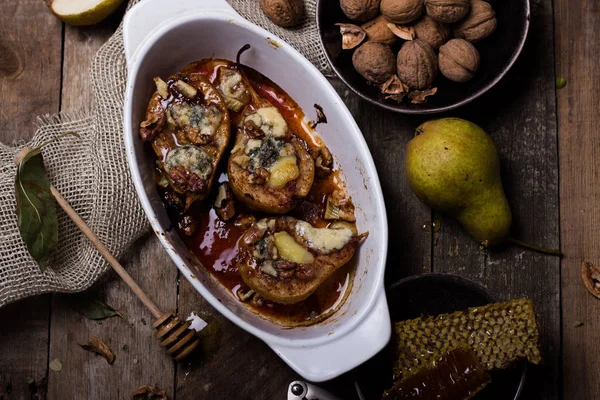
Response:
column 147, row 392
column 90, row 307
column 578, row 324
column 591, row 278
column 55, row 365
column 420, row 96
column 98, row 346
column 36, row 208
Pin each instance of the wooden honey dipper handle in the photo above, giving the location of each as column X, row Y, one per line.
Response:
column 106, row 253
column 177, row 336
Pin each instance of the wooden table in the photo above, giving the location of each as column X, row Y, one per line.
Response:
column 549, row 147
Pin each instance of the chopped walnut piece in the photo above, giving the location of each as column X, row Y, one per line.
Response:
column 420, row 96
column 187, row 180
column 403, row 32
column 242, row 160
column 352, row 35
column 323, row 160
column 259, row 177
column 161, row 88
column 224, row 203
column 245, row 221
column 339, row 207
column 186, row 89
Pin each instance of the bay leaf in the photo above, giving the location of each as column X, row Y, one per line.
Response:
column 36, row 208
column 91, row 308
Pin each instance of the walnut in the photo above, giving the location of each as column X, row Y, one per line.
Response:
column 402, row 11
column 458, row 60
column 433, row 32
column 285, row 13
column 374, row 61
column 417, row 64
column 447, row 11
column 360, row 10
column 352, row 35
column 479, row 23
column 377, row 31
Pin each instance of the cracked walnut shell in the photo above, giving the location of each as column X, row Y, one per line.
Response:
column 447, row 11
column 479, row 23
column 417, row 64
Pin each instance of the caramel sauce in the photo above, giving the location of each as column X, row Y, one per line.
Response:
column 215, row 242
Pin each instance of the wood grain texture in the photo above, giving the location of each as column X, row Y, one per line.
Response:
column 524, row 129
column 140, row 360
column 241, row 367
column 387, row 134
column 30, row 60
column 577, row 46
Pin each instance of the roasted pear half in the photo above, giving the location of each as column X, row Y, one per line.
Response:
column 270, row 166
column 285, row 259
column 188, row 124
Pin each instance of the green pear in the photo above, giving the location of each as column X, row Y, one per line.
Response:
column 453, row 166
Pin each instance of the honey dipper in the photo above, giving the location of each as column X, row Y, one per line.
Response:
column 173, row 333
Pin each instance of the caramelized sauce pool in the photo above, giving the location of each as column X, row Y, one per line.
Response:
column 215, row 242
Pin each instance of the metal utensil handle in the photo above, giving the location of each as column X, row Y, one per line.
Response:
column 300, row 390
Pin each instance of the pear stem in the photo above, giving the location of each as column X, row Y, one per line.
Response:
column 534, row 248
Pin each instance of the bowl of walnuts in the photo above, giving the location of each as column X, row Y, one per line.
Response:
column 422, row 56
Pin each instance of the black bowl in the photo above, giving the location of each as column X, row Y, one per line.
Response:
column 433, row 294
column 498, row 53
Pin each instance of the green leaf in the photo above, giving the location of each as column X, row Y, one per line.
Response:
column 92, row 308
column 36, row 208
column 561, row 83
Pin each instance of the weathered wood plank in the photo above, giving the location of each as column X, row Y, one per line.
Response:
column 242, row 367
column 524, row 129
column 577, row 38
column 30, row 62
column 140, row 360
column 409, row 220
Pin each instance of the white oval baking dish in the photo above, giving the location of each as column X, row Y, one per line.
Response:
column 162, row 36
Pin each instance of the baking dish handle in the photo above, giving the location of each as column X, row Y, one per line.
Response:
column 327, row 361
column 148, row 15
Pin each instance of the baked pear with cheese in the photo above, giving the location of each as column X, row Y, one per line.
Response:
column 269, row 167
column 284, row 259
column 187, row 123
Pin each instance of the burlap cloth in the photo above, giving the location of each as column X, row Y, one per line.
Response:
column 92, row 173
